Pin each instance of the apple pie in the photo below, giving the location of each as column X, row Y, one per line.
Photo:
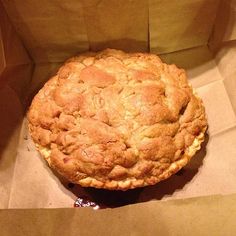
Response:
column 117, row 120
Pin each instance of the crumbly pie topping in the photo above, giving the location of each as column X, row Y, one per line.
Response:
column 117, row 120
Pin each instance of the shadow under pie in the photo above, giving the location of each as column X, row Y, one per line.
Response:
column 101, row 198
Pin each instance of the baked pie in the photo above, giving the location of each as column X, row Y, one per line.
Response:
column 117, row 120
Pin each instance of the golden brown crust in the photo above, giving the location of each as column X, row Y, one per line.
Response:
column 116, row 120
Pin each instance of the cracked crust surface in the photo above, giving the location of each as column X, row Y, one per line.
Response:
column 117, row 120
